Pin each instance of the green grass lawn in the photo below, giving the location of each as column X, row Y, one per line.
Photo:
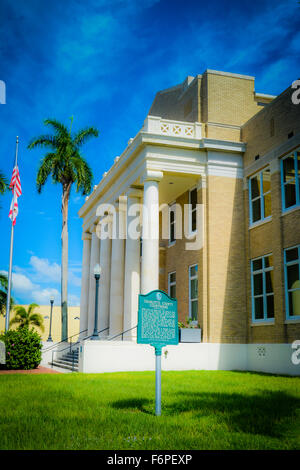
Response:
column 200, row 410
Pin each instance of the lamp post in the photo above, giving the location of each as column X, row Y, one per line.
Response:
column 51, row 302
column 97, row 272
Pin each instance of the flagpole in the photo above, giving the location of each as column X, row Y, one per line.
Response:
column 10, row 257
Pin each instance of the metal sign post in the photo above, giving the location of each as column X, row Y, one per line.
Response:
column 157, row 326
column 158, row 381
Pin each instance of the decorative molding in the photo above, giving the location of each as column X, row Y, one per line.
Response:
column 134, row 193
column 228, row 74
column 152, row 175
column 86, row 236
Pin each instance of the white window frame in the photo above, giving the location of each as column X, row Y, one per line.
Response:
column 264, row 294
column 192, row 232
column 297, row 181
column 260, row 197
column 190, row 299
column 170, row 284
column 286, row 289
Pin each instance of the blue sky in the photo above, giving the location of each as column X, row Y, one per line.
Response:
column 103, row 61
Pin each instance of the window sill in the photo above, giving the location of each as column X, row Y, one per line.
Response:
column 263, row 323
column 292, row 320
column 260, row 222
column 171, row 244
column 191, row 235
column 288, row 211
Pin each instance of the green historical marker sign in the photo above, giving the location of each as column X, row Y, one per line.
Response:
column 157, row 326
column 157, row 319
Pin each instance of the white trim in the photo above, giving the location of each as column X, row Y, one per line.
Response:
column 260, row 222
column 172, row 207
column 289, row 210
column 191, row 278
column 170, row 284
column 264, row 96
column 264, row 322
column 191, row 231
column 229, row 74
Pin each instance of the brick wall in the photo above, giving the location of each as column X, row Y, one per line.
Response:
column 261, row 135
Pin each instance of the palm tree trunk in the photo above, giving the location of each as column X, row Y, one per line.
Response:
column 64, row 262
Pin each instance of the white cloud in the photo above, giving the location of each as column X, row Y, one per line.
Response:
column 42, row 296
column 45, row 271
column 21, row 283
column 43, row 267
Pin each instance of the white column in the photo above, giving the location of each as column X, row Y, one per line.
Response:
column 105, row 263
column 94, row 259
column 117, row 271
column 85, row 280
column 150, row 232
column 132, row 265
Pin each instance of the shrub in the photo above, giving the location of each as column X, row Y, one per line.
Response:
column 23, row 348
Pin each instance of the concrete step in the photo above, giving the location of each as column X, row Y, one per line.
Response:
column 71, row 356
column 62, row 360
column 64, row 365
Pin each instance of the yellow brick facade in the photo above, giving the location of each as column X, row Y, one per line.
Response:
column 269, row 143
column 231, row 111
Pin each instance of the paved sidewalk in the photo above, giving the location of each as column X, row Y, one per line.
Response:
column 39, row 370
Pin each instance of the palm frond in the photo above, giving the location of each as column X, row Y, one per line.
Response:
column 20, row 312
column 43, row 141
column 84, row 175
column 3, row 183
column 45, row 170
column 59, row 127
column 4, row 281
column 83, row 135
column 32, row 307
column 37, row 320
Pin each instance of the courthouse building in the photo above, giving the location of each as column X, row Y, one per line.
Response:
column 218, row 163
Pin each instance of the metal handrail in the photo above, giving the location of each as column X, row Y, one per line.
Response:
column 87, row 337
column 121, row 334
column 72, row 344
column 64, row 341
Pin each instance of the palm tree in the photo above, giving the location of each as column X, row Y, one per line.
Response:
column 3, row 183
column 3, row 293
column 26, row 318
column 66, row 166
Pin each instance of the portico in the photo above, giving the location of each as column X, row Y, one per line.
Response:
column 122, row 226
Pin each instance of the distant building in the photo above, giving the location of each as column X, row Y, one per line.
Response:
column 44, row 310
column 216, row 142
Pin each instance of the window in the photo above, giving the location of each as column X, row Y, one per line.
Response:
column 193, row 293
column 193, row 209
column 172, row 222
column 292, row 281
column 172, row 285
column 260, row 196
column 290, row 180
column 262, row 288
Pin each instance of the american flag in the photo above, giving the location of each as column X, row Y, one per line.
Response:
column 15, row 186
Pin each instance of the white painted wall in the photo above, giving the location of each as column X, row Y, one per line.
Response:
column 116, row 356
column 272, row 358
